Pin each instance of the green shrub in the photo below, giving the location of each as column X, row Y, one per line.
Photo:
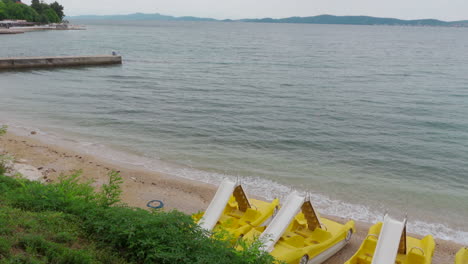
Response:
column 8, row 184
column 4, row 160
column 53, row 252
column 136, row 235
column 4, row 231
column 64, row 238
column 49, row 232
column 3, row 130
column 21, row 259
column 111, row 192
column 66, row 195
column 5, row 246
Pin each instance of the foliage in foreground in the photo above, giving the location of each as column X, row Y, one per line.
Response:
column 3, row 130
column 4, row 158
column 67, row 222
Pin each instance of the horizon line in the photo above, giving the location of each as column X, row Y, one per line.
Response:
column 276, row 18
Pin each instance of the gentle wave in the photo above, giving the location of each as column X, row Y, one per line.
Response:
column 259, row 187
column 270, row 189
column 355, row 114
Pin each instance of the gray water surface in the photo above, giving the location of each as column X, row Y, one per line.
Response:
column 370, row 115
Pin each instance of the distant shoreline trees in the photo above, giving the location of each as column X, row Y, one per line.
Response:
column 39, row 11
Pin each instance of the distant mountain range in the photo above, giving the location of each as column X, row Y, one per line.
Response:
column 141, row 16
column 322, row 19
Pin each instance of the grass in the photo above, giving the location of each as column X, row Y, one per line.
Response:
column 47, row 237
column 68, row 222
column 3, row 130
column 3, row 158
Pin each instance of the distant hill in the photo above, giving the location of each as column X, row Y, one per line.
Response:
column 141, row 16
column 462, row 23
column 350, row 20
column 359, row 20
column 322, row 19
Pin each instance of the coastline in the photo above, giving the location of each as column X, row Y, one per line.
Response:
column 21, row 30
column 142, row 185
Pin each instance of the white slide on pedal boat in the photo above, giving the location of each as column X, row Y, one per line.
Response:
column 389, row 241
column 217, row 205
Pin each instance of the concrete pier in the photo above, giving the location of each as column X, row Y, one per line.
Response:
column 9, row 31
column 67, row 61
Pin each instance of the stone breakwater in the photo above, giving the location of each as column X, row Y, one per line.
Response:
column 23, row 29
column 67, row 61
column 10, row 31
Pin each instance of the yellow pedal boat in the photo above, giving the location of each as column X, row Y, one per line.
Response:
column 231, row 211
column 462, row 256
column 298, row 234
column 378, row 246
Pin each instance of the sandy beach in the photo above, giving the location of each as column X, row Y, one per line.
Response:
column 141, row 186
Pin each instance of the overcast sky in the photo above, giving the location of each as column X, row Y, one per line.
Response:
column 404, row 9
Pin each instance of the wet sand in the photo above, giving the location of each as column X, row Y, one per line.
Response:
column 141, row 186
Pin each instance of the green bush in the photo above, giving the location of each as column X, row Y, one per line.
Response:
column 67, row 195
column 52, row 252
column 3, row 128
column 48, row 237
column 134, row 235
column 64, row 237
column 7, row 183
column 5, row 246
column 111, row 192
column 5, row 159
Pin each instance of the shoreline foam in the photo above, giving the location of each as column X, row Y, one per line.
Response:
column 185, row 189
column 253, row 185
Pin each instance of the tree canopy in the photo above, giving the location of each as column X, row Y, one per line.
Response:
column 39, row 11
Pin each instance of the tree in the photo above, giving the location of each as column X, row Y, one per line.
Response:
column 3, row 14
column 58, row 8
column 36, row 5
column 37, row 12
column 14, row 10
column 43, row 19
column 52, row 17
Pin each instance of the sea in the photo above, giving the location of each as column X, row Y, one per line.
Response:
column 364, row 119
